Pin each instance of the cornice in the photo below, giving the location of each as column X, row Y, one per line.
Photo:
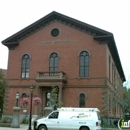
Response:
column 12, row 45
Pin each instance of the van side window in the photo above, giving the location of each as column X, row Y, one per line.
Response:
column 99, row 118
column 54, row 115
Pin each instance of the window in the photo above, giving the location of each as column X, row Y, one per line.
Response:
column 25, row 66
column 112, row 73
column 54, row 115
column 82, row 98
column 99, row 118
column 109, row 68
column 114, row 105
column 24, row 95
column 114, row 76
column 109, row 103
column 53, row 62
column 84, row 64
column 55, row 32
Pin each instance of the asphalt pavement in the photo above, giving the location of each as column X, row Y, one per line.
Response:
column 22, row 127
column 25, row 127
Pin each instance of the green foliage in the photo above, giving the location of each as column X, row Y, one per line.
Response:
column 6, row 120
column 126, row 97
column 24, row 120
column 125, row 102
column 54, row 98
column 54, row 94
column 2, row 89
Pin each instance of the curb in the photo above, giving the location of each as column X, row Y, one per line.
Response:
column 109, row 129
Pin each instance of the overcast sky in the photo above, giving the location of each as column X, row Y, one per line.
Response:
column 109, row 15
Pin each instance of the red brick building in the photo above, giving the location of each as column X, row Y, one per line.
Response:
column 80, row 59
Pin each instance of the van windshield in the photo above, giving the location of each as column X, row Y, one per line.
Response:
column 99, row 118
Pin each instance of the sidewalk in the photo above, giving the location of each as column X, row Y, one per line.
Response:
column 22, row 127
column 110, row 129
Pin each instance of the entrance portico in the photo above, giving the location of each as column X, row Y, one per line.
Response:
column 44, row 83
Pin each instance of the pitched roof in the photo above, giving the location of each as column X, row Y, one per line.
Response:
column 98, row 34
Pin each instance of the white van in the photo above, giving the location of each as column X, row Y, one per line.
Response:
column 71, row 119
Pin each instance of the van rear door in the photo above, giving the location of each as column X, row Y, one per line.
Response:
column 99, row 119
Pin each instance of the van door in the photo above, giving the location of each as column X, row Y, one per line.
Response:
column 53, row 121
column 66, row 122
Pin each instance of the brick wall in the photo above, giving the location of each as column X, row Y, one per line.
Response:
column 68, row 45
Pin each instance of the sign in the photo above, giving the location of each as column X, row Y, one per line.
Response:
column 123, row 124
column 54, row 42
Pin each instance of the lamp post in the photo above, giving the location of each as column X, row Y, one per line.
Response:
column 17, row 98
column 30, row 116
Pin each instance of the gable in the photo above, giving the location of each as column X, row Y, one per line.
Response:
column 66, row 35
column 50, row 18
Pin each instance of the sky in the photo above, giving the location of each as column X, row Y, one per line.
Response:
column 109, row 15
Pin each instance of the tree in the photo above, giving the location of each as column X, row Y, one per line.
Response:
column 2, row 89
column 125, row 102
column 53, row 101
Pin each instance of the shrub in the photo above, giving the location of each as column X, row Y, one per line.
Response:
column 6, row 120
column 24, row 120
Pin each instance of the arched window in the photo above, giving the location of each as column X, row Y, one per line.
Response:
column 84, row 64
column 54, row 62
column 82, row 98
column 24, row 95
column 25, row 66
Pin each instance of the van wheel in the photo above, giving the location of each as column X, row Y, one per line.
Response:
column 84, row 128
column 42, row 127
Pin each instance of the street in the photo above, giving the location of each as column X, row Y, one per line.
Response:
column 22, row 127
column 25, row 127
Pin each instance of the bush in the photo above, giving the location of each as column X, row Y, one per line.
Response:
column 24, row 120
column 6, row 120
